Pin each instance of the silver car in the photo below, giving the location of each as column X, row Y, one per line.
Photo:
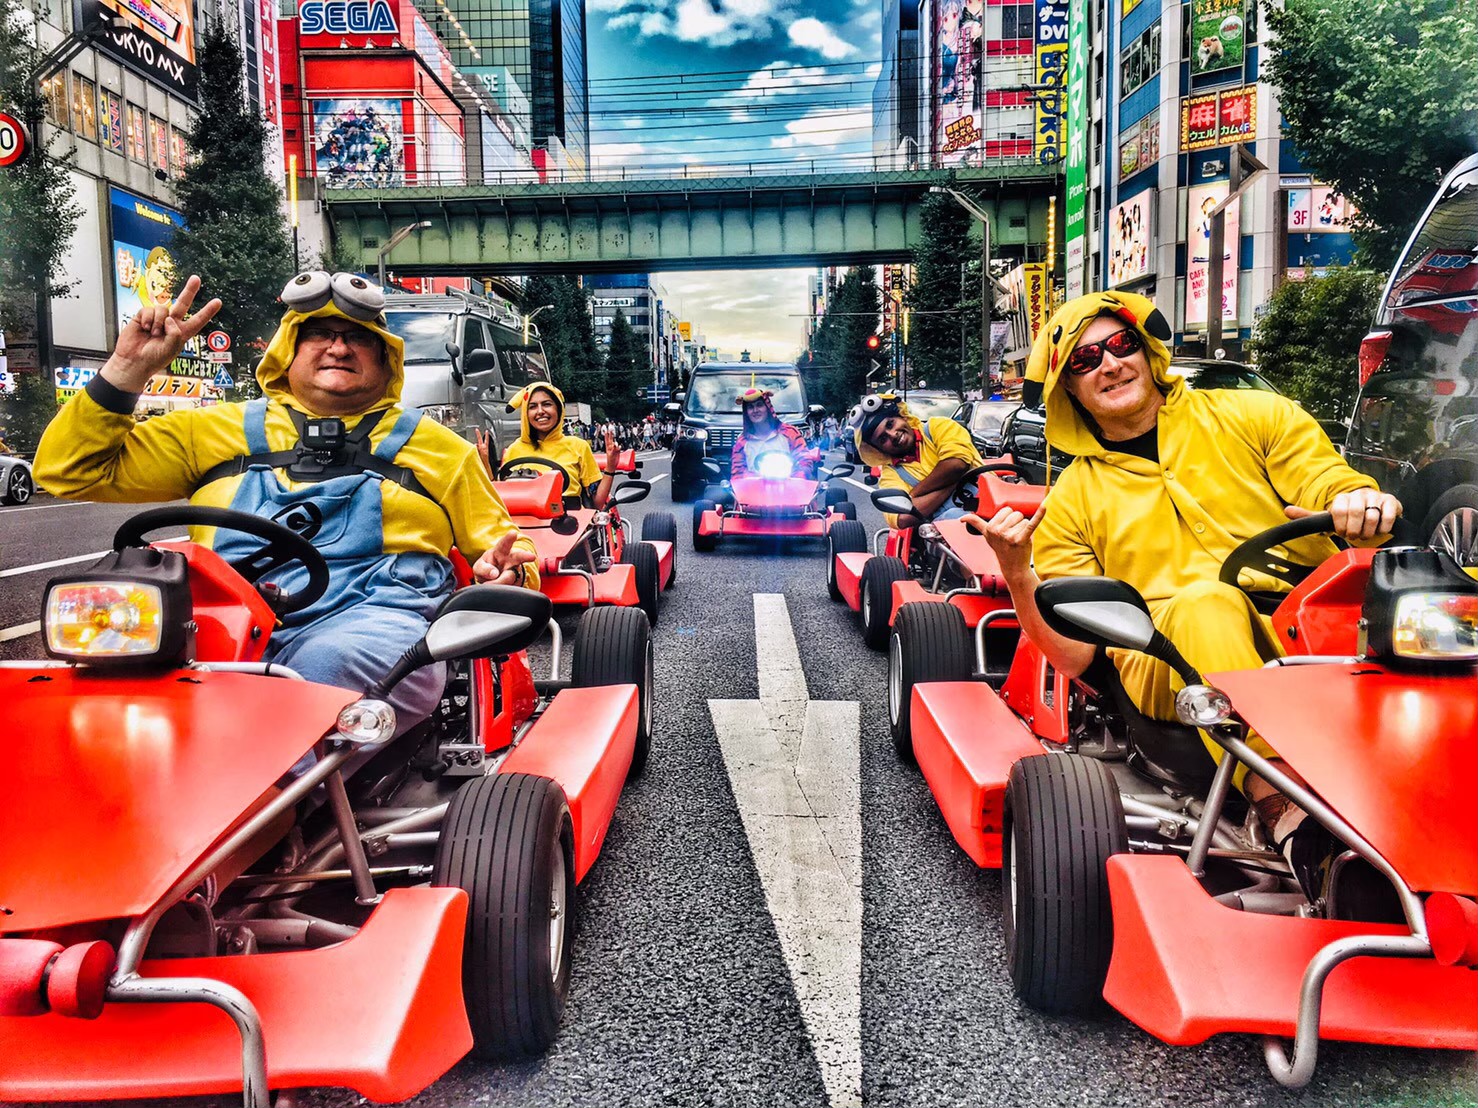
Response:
column 16, row 481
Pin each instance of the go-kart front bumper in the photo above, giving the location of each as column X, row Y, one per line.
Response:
column 740, row 524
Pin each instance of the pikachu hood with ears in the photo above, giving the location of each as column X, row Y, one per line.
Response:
column 519, row 403
column 572, row 454
column 1067, row 428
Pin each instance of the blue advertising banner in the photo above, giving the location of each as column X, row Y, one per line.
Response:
column 1051, row 50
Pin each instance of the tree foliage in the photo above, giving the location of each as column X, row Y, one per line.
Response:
column 235, row 236
column 944, row 330
column 628, row 370
column 25, row 413
column 836, row 373
column 1380, row 97
column 37, row 211
column 568, row 336
column 1308, row 341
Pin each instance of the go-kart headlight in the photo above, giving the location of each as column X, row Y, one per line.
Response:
column 1436, row 626
column 104, row 619
column 1202, row 706
column 366, row 721
column 774, row 466
column 927, row 532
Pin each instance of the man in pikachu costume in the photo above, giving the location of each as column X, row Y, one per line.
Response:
column 384, row 508
column 1167, row 481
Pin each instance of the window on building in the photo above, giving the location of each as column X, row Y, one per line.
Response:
column 158, row 143
column 85, row 108
column 1017, row 21
column 54, row 90
column 1140, row 60
column 110, row 121
column 179, row 152
column 138, row 146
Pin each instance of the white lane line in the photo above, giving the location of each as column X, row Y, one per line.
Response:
column 795, row 769
column 44, row 507
column 659, row 477
column 20, row 631
column 39, row 566
column 859, row 485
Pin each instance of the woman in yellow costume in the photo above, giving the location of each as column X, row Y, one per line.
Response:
column 542, row 414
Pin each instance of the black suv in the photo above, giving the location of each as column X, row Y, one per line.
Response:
column 1415, row 427
column 711, row 419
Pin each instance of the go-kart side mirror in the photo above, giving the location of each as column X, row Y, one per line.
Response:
column 630, row 492
column 845, row 469
column 1104, row 611
column 893, row 501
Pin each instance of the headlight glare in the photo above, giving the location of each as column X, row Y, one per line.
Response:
column 104, row 619
column 774, row 465
column 1202, row 706
column 1437, row 626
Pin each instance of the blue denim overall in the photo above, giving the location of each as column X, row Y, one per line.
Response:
column 949, row 509
column 377, row 605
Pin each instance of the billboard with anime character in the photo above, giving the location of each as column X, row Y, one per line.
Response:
column 359, row 143
column 957, row 82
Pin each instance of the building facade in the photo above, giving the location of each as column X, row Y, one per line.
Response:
column 639, row 298
column 896, row 95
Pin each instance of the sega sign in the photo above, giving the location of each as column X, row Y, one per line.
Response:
column 346, row 17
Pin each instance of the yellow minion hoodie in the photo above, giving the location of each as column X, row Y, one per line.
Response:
column 1229, row 462
column 570, row 453
column 94, row 450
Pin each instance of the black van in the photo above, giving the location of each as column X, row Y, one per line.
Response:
column 1415, row 426
column 711, row 418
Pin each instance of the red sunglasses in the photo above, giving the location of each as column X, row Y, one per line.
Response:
column 1121, row 344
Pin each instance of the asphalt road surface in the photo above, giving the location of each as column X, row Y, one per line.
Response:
column 683, row 993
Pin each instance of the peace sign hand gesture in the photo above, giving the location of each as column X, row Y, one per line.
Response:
column 154, row 338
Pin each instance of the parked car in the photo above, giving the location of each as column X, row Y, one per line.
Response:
column 464, row 357
column 711, row 417
column 16, row 482
column 1415, row 425
column 985, row 420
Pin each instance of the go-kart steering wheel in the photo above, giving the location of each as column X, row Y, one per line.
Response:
column 283, row 547
column 507, row 470
column 1256, row 554
column 967, row 492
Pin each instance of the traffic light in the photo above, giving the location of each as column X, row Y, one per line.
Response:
column 874, row 341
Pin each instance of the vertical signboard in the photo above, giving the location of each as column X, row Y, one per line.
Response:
column 1130, row 236
column 1199, row 202
column 1034, row 294
column 143, row 270
column 1218, row 35
column 267, row 37
column 1075, row 222
column 153, row 37
column 1051, row 50
column 957, row 81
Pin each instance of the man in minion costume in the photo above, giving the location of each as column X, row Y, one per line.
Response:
column 383, row 493
column 924, row 458
column 541, row 409
column 1167, row 481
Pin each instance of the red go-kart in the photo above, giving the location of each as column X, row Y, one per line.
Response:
column 1134, row 873
column 587, row 557
column 772, row 503
column 218, row 876
column 943, row 562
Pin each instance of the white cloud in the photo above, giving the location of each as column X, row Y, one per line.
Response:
column 714, row 23
column 812, row 34
column 824, row 131
column 759, row 310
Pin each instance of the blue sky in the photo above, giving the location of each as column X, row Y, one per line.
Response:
column 732, row 81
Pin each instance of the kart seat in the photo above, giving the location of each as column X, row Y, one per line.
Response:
column 507, row 600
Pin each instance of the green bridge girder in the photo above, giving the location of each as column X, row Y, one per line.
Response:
column 679, row 223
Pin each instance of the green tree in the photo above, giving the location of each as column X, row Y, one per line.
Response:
column 1308, row 341
column 37, row 211
column 628, row 369
column 234, row 235
column 25, row 413
column 841, row 358
column 568, row 336
column 944, row 298
column 1380, row 97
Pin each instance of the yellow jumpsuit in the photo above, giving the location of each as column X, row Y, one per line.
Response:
column 571, row 454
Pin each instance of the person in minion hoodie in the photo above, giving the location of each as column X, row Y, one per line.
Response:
column 541, row 409
column 384, row 507
column 1166, row 482
column 924, row 458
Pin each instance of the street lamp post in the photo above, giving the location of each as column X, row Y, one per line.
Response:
column 395, row 240
column 528, row 321
column 986, row 280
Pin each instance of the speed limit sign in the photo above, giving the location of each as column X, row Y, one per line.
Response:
column 13, row 140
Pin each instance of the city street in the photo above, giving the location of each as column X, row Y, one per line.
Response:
column 687, row 986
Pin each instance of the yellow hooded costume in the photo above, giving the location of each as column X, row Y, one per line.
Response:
column 938, row 439
column 94, row 450
column 1229, row 462
column 571, row 454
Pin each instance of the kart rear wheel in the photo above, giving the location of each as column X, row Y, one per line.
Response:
column 930, row 642
column 845, row 537
column 661, row 527
column 846, row 510
column 18, row 488
column 643, row 555
column 613, row 646
column 703, row 542
column 1063, row 820
column 836, row 496
column 877, row 598
column 508, row 841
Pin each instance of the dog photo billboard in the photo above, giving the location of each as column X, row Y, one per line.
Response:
column 1218, row 35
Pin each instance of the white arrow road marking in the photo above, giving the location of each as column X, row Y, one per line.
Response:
column 794, row 766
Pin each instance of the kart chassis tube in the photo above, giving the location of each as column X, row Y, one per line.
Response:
column 1295, row 1070
column 1001, row 616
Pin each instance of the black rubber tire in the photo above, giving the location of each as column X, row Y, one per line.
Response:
column 929, row 642
column 836, row 496
column 1063, row 820
column 844, row 537
column 662, row 527
column 1455, row 498
column 499, row 842
column 643, row 556
column 18, row 487
column 877, row 598
column 703, row 543
column 613, row 646
column 719, row 495
column 846, row 509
